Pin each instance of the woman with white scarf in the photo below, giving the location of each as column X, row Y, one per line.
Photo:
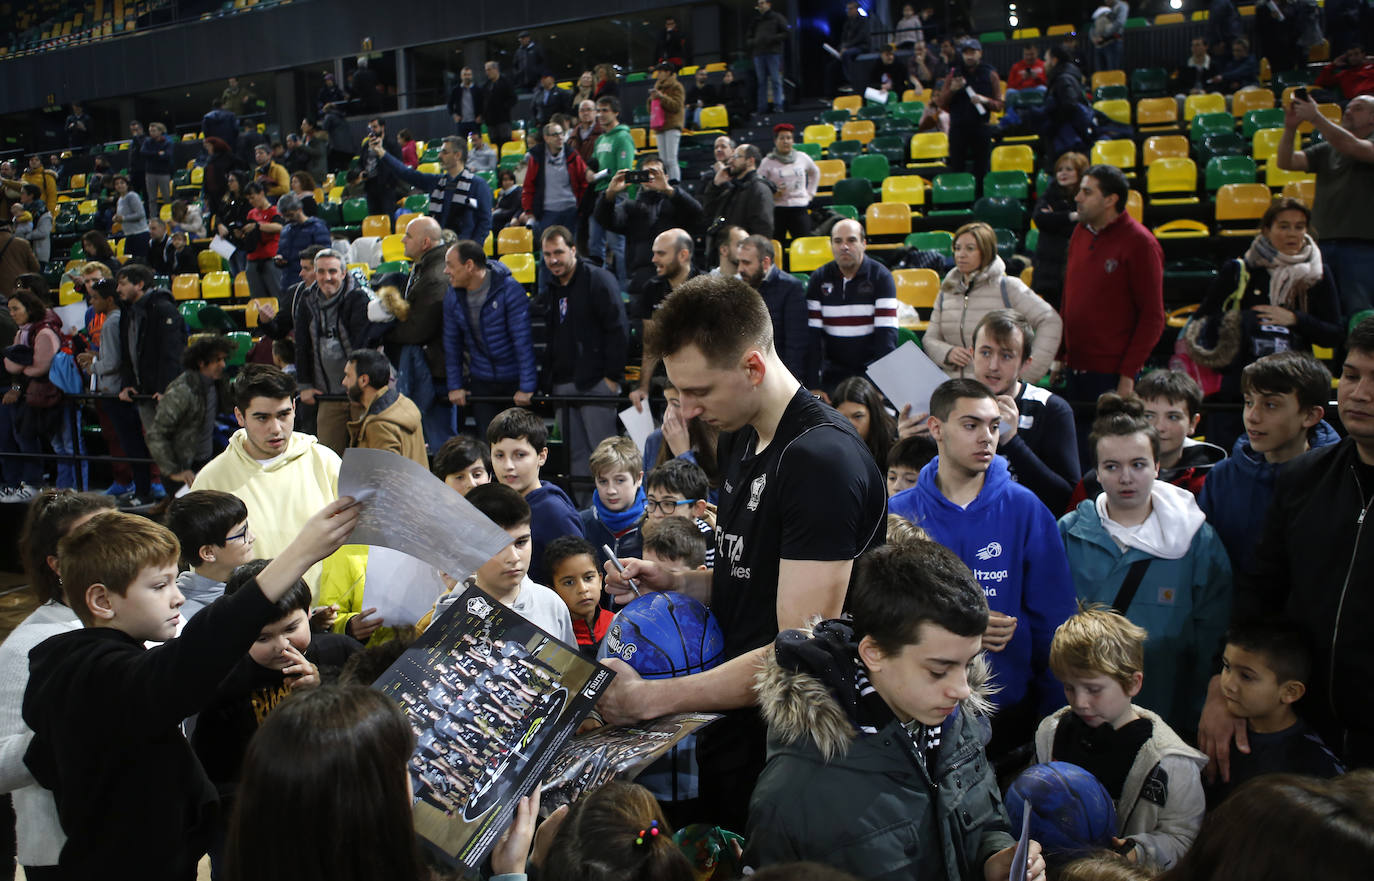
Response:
column 1277, row 298
column 795, row 179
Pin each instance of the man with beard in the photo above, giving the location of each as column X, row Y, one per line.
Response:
column 331, row 323
column 736, row 194
column 390, row 420
column 672, row 256
column 783, row 294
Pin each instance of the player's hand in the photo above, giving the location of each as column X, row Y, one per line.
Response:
column 998, row 866
column 301, row 673
column 627, row 699
column 513, row 847
column 909, row 425
column 1215, row 730
column 1000, row 630
column 649, row 576
column 362, row 625
column 1006, row 407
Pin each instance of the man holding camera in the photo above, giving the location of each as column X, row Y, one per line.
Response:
column 658, row 206
column 458, row 199
column 1344, row 165
column 381, row 195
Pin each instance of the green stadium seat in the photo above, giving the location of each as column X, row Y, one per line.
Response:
column 812, row 150
column 848, row 211
column 909, row 110
column 1205, row 124
column 392, row 266
column 937, row 240
column 1007, row 244
column 1149, row 82
column 1222, row 144
column 1006, row 185
column 846, row 150
column 1110, row 93
column 856, row 191
column 835, row 117
column 1286, row 78
column 331, row 213
column 872, row 167
column 1003, row 213
column 873, row 111
column 1026, row 99
column 354, row 210
column 1254, row 120
column 242, row 342
column 953, row 189
column 1137, row 22
column 418, row 203
column 992, row 37
column 1222, row 170
column 190, row 313
column 893, row 147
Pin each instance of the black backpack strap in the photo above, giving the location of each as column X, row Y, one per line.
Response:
column 1131, row 584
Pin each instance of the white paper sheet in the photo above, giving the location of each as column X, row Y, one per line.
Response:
column 906, row 375
column 222, row 246
column 407, row 509
column 401, row 588
column 73, row 317
column 639, row 423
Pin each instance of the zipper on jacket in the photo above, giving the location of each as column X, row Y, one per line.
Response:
column 1345, row 588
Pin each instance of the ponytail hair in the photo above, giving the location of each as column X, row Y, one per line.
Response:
column 1121, row 416
column 617, row 832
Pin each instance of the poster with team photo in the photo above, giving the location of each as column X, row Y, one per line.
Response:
column 491, row 699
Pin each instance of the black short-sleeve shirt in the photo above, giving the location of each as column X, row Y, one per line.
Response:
column 814, row 493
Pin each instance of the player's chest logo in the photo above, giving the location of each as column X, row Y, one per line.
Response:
column 756, row 492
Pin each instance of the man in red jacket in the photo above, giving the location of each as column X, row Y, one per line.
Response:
column 1113, row 307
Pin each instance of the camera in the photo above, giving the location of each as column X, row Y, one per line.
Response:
column 1301, row 94
column 638, row 177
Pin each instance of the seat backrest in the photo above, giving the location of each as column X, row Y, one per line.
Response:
column 856, row 191
column 354, row 210
column 862, row 130
column 1210, row 102
column 953, row 188
column 917, row 288
column 186, row 287
column 377, row 225
column 831, row 170
column 1265, row 144
column 216, row 285
column 522, row 267
column 873, row 167
column 909, row 189
column 998, row 212
column 393, row 247
column 515, row 240
column 930, row 145
column 1224, row 170
column 1302, row 190
column 887, row 218
column 1135, row 205
column 1243, row 201
column 1249, row 99
column 715, row 116
column 1156, row 111
column 1013, row 157
column 935, row 240
column 1007, row 184
column 819, row 134
column 1109, row 78
column 1116, row 110
column 1120, row 153
column 807, row 253
column 208, row 261
column 1172, row 175
column 852, row 103
column 1265, row 117
column 1159, row 146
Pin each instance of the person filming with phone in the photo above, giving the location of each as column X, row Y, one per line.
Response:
column 657, row 206
column 1344, row 165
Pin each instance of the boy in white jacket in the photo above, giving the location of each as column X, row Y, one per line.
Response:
column 1154, row 777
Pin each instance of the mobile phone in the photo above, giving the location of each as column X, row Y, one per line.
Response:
column 1301, row 94
column 638, row 177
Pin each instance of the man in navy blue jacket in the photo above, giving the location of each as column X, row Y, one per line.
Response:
column 458, row 199
column 487, row 316
column 852, row 306
column 299, row 233
column 966, row 501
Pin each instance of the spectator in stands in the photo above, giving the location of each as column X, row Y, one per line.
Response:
column 700, row 93
column 615, row 150
column 379, row 184
column 31, row 411
column 1351, row 74
column 152, row 337
column 80, row 127
column 795, row 179
column 500, row 101
column 862, row 404
column 186, row 217
column 182, row 256
column 1241, row 71
column 583, row 135
column 1192, row 76
column 405, row 139
column 37, row 228
column 249, row 139
column 365, row 88
column 159, row 244
column 854, row 41
column 97, row 247
column 156, row 153
column 277, row 321
column 415, row 342
column 508, row 200
column 44, row 179
column 315, row 144
column 908, row 29
column 296, row 159
column 588, row 337
column 465, row 104
column 852, row 308
column 1223, row 22
column 1028, row 74
column 669, row 96
column 925, row 68
column 607, row 82
column 1056, row 216
column 529, row 62
column 274, row 179
column 555, row 180
column 888, row 75
column 388, row 419
column 1108, row 34
column 136, row 161
column 736, row 194
column 1344, row 166
column 672, row 44
column 1285, row 30
column 482, row 154
column 727, row 252
column 658, row 206
column 548, row 100
column 1277, row 298
column 132, row 219
column 1113, row 306
column 238, row 99
column 1309, row 565
column 220, row 123
column 458, row 199
column 672, row 260
column 330, row 95
column 215, row 183
column 298, row 231
column 331, row 323
column 486, row 324
column 262, row 230
column 119, row 421
column 182, row 436
column 785, row 297
column 734, row 94
column 969, row 93
column 340, row 137
column 976, row 285
column 303, row 189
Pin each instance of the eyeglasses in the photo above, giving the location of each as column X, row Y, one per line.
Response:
column 665, row 506
column 241, row 535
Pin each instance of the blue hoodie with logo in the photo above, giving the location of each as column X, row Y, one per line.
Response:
column 1237, row 493
column 1011, row 542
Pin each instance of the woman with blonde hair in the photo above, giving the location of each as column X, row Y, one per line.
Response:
column 977, row 285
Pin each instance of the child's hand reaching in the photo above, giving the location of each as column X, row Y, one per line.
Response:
column 322, row 618
column 301, row 673
column 513, row 847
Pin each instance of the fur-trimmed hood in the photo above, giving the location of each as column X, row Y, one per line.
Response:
column 801, row 705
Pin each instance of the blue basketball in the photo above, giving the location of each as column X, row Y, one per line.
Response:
column 1071, row 812
column 662, row 635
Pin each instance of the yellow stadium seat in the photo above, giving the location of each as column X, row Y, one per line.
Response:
column 640, row 137
column 87, row 206
column 216, row 285
column 910, row 95
column 404, row 221
column 424, row 168
column 186, row 286
column 513, row 148
column 521, row 266
column 929, row 148
column 1058, row 30
column 1173, row 179
column 716, row 67
column 1329, row 110
column 1266, row 72
column 119, row 249
column 241, row 289
column 1276, row 178
column 165, row 213
column 1135, row 205
column 208, row 261
column 378, row 225
column 887, row 219
column 1242, row 202
column 1302, row 190
column 515, row 240
column 1178, row 318
column 908, row 189
column 1169, row 18
column 862, row 130
column 917, row 288
column 1160, row 146
column 1026, row 34
column 1156, row 112
column 689, row 70
column 819, row 134
column 67, row 294
column 1182, row 229
column 1211, row 102
column 1264, row 144
column 252, row 314
column 78, row 182
column 1249, row 99
column 393, row 248
column 1108, row 78
column 1116, row 109
column 808, row 253
column 487, row 245
column 1013, row 157
column 852, row 103
column 1320, row 52
column 715, row 117
column 1120, row 153
column 831, row 171
column 336, row 193
column 197, row 176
